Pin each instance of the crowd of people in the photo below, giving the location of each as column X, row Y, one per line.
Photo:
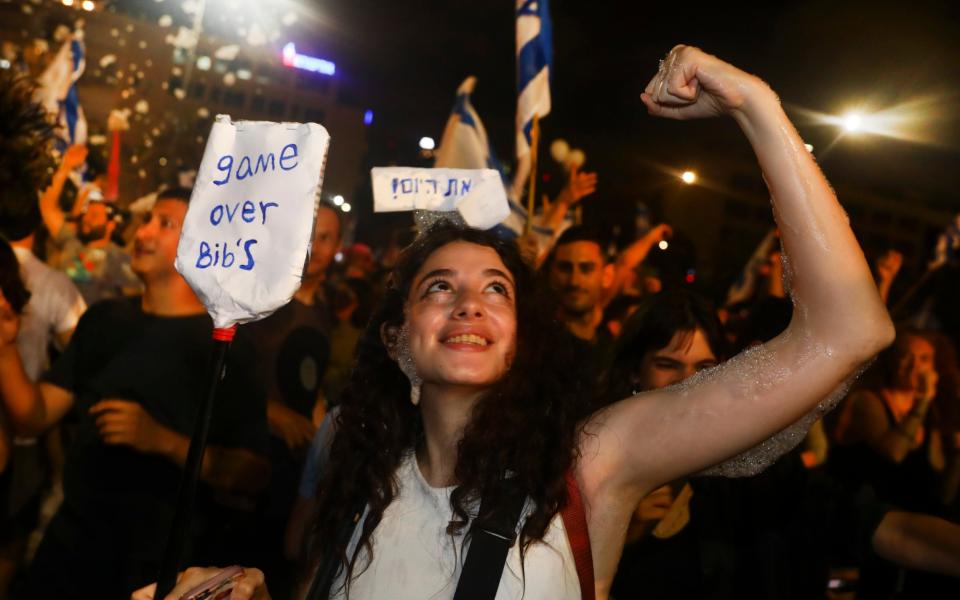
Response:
column 400, row 398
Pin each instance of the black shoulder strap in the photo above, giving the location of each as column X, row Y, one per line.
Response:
column 491, row 539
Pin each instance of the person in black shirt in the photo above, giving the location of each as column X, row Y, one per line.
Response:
column 294, row 343
column 132, row 377
column 578, row 273
column 295, row 348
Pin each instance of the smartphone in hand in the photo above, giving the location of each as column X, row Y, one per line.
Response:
column 218, row 587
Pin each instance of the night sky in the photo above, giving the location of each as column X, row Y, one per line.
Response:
column 405, row 59
column 408, row 57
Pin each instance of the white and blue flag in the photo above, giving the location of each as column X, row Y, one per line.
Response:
column 534, row 60
column 465, row 145
column 57, row 91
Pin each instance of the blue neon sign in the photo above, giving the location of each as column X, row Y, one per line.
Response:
column 306, row 63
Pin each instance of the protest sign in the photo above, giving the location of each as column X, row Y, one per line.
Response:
column 478, row 194
column 243, row 247
column 248, row 230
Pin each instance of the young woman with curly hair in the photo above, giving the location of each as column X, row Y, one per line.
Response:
column 460, row 391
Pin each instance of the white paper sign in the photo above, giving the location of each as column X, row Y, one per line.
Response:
column 478, row 194
column 248, row 230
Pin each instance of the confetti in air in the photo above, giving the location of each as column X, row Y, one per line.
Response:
column 256, row 36
column 227, row 52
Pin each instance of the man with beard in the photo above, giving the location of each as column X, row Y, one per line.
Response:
column 580, row 274
column 87, row 254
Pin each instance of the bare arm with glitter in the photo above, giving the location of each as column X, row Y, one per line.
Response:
column 839, row 322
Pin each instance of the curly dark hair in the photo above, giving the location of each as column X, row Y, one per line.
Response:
column 526, row 424
column 26, row 164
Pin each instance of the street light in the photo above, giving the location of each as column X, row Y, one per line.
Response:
column 852, row 122
column 689, row 177
column 913, row 120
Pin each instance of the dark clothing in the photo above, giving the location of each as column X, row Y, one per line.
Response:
column 769, row 536
column 119, row 503
column 294, row 342
column 592, row 359
column 910, row 485
column 295, row 349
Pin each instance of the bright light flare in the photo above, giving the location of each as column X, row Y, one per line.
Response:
column 919, row 120
column 345, row 207
column 688, row 177
column 87, row 5
column 338, row 200
column 67, row 2
column 427, row 143
column 852, row 122
column 663, row 245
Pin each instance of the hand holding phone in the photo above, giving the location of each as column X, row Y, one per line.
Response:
column 196, row 583
column 218, row 587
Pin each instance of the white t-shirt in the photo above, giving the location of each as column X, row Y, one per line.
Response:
column 415, row 559
column 55, row 307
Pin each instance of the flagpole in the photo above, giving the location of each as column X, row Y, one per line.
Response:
column 531, row 192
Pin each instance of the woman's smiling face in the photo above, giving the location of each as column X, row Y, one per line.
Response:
column 461, row 316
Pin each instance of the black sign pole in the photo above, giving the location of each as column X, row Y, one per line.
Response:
column 179, row 532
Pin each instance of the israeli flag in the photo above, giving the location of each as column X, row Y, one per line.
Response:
column 72, row 113
column 57, row 91
column 465, row 145
column 534, row 59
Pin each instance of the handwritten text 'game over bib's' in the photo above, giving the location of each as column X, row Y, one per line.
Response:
column 224, row 254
